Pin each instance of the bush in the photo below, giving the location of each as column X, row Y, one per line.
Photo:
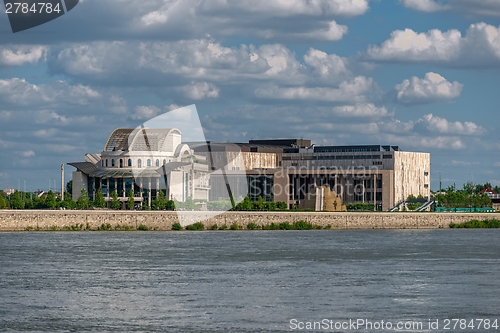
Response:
column 223, row 227
column 195, row 227
column 477, row 224
column 302, row 225
column 234, row 226
column 142, row 227
column 285, row 226
column 176, row 226
column 104, row 227
column 214, row 227
column 252, row 226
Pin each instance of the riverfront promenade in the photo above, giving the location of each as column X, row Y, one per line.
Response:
column 12, row 220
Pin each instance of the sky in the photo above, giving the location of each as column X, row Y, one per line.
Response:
column 423, row 75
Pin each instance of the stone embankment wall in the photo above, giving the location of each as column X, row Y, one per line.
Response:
column 63, row 220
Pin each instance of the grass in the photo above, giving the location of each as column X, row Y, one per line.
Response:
column 477, row 224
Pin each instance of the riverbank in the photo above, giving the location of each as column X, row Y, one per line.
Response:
column 11, row 220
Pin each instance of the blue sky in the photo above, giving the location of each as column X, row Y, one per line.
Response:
column 420, row 74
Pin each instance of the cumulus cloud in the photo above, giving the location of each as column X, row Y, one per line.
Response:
column 18, row 55
column 436, row 124
column 19, row 92
column 479, row 47
column 432, row 88
column 467, row 7
column 199, row 90
column 348, row 91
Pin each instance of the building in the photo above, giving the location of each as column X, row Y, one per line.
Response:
column 281, row 170
column 145, row 161
column 291, row 170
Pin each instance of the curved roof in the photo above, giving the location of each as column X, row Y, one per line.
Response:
column 143, row 139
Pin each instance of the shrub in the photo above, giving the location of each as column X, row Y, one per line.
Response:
column 223, row 227
column 477, row 224
column 234, row 226
column 285, row 226
column 214, row 227
column 142, row 227
column 302, row 225
column 176, row 226
column 328, row 226
column 252, row 226
column 104, row 227
column 196, row 226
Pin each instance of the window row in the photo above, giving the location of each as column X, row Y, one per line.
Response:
column 120, row 163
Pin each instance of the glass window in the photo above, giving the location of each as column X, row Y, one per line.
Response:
column 112, row 162
column 157, row 163
column 106, row 162
column 164, row 162
column 121, row 163
column 149, row 163
column 129, row 162
column 139, row 163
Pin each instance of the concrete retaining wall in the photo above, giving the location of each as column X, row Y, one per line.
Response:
column 63, row 220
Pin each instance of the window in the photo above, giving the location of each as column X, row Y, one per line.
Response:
column 113, row 162
column 426, row 173
column 121, row 163
column 129, row 162
column 426, row 185
column 106, row 162
column 164, row 162
column 139, row 163
column 149, row 163
column 157, row 163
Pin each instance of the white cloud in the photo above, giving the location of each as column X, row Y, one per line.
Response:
column 20, row 92
column 199, row 90
column 146, row 112
column 361, row 110
column 27, row 153
column 466, row 7
column 424, row 5
column 330, row 32
column 480, row 47
column 21, row 54
column 348, row 91
column 432, row 88
column 436, row 124
column 327, row 67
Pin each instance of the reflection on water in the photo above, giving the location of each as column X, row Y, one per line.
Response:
column 243, row 281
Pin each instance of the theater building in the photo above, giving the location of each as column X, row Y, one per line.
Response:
column 145, row 161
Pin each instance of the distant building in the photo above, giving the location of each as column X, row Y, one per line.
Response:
column 9, row 191
column 144, row 161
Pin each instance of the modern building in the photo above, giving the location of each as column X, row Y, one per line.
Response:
column 144, row 161
column 285, row 170
column 291, row 170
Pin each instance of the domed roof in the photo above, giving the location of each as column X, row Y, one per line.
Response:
column 144, row 139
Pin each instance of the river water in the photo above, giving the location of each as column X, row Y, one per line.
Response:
column 248, row 281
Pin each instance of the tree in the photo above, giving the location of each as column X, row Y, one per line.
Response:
column 115, row 202
column 50, row 200
column 99, row 201
column 469, row 187
column 68, row 203
column 16, row 200
column 83, row 201
column 3, row 201
column 130, row 200
column 160, row 203
column 69, row 187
